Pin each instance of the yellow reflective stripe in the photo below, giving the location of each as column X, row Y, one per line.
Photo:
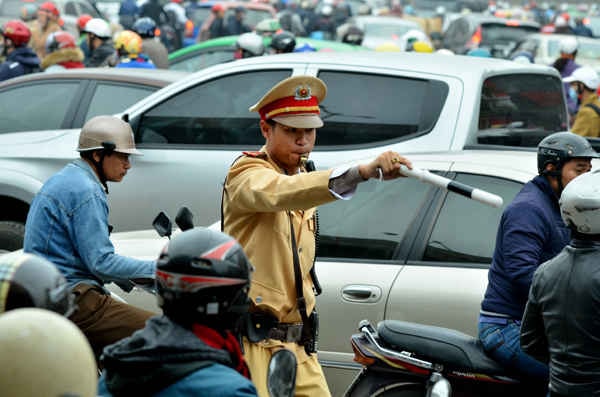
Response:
column 291, row 109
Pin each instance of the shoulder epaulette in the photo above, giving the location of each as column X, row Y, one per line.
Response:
column 259, row 155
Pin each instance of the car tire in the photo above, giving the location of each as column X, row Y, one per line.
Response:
column 11, row 236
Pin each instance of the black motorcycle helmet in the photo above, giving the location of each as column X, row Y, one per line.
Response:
column 560, row 147
column 145, row 27
column 203, row 276
column 27, row 280
column 353, row 35
column 283, row 42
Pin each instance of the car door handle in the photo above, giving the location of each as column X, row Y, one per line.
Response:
column 361, row 293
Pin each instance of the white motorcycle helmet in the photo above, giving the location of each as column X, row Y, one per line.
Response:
column 413, row 36
column 98, row 27
column 250, row 44
column 580, row 203
column 44, row 354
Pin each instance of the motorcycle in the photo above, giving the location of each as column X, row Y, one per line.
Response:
column 403, row 359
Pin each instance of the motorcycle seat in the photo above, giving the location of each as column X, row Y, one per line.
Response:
column 451, row 348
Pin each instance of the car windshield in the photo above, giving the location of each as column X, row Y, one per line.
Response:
column 252, row 17
column 520, row 109
column 199, row 15
column 11, row 8
column 386, row 30
column 585, row 50
column 494, row 33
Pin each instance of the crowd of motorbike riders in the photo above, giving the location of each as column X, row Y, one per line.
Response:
column 143, row 38
column 538, row 317
column 220, row 324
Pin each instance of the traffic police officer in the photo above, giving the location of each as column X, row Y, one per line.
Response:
column 269, row 205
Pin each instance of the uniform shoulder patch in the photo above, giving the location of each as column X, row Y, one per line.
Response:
column 259, row 155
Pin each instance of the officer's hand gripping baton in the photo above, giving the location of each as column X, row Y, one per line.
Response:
column 456, row 187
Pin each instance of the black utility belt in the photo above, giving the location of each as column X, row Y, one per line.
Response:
column 286, row 332
column 261, row 326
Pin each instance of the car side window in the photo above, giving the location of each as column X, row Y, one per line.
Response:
column 520, row 109
column 373, row 223
column 36, row 106
column 87, row 9
column 465, row 230
column 355, row 114
column 114, row 98
column 214, row 112
column 204, row 60
column 70, row 8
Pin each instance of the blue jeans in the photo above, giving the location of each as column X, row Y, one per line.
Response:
column 501, row 342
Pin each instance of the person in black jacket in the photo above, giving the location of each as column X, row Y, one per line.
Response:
column 530, row 233
column 20, row 59
column 202, row 282
column 562, row 316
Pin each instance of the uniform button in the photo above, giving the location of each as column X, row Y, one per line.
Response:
column 258, row 299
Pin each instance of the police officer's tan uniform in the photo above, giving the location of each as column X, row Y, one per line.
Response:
column 258, row 201
column 258, row 218
column 587, row 121
column 261, row 195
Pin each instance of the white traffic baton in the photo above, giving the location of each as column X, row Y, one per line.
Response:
column 465, row 190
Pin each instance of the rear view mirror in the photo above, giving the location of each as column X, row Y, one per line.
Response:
column 162, row 224
column 184, row 219
column 281, row 375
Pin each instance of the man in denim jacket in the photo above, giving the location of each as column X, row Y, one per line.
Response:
column 68, row 225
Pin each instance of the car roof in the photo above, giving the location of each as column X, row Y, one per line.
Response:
column 152, row 77
column 231, row 40
column 234, row 4
column 461, row 66
column 384, row 20
column 488, row 19
column 560, row 36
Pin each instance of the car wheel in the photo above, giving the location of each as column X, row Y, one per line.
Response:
column 11, row 236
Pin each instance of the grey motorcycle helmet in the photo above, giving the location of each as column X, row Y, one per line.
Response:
column 28, row 280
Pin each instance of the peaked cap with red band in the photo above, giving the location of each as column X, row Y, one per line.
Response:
column 293, row 102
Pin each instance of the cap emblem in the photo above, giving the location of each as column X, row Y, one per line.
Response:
column 302, row 93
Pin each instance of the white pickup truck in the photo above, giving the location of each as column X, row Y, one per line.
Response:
column 192, row 130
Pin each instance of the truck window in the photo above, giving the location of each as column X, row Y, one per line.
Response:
column 362, row 108
column 520, row 109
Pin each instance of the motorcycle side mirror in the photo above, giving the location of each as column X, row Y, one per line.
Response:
column 184, row 219
column 162, row 224
column 281, row 375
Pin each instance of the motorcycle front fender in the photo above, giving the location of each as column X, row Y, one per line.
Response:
column 386, row 384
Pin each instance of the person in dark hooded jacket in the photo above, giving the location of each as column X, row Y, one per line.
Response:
column 202, row 282
column 20, row 59
column 530, row 232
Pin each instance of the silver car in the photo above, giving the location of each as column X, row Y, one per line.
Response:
column 191, row 131
column 399, row 250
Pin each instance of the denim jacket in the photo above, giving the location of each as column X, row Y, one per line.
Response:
column 68, row 225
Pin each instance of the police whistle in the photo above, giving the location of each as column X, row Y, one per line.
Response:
column 303, row 160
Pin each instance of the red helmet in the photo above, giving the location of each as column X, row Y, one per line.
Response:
column 17, row 32
column 58, row 40
column 82, row 20
column 50, row 7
